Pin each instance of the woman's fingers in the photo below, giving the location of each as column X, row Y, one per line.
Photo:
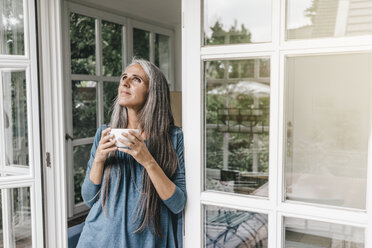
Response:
column 136, row 135
column 129, row 136
column 106, row 138
column 125, row 142
column 106, row 131
column 108, row 144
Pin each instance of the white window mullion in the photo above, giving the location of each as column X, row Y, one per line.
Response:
column 2, row 128
column 7, row 232
column 99, row 97
column 68, row 116
column 79, row 77
column 98, row 30
column 99, row 71
column 152, row 47
column 129, row 32
column 124, row 49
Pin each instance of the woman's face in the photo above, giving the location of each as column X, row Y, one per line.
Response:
column 133, row 88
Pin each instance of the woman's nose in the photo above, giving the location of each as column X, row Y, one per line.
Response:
column 125, row 82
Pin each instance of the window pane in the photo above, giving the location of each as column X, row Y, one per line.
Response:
column 83, row 44
column 84, row 108
column 112, row 48
column 237, row 115
column 237, row 21
column 328, row 110
column 15, row 118
column 224, row 227
column 81, row 158
column 12, row 27
column 324, row 18
column 310, row 233
column 162, row 53
column 141, row 44
column 20, row 217
column 110, row 92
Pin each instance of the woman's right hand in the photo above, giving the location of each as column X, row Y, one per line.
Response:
column 105, row 146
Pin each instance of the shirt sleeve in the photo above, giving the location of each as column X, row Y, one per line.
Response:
column 89, row 190
column 176, row 202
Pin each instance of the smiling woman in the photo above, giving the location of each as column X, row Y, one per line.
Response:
column 135, row 194
column 133, row 87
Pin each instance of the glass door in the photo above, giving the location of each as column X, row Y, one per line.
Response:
column 21, row 216
column 277, row 122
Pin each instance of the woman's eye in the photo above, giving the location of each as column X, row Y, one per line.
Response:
column 137, row 80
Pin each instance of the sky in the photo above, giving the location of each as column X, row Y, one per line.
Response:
column 256, row 15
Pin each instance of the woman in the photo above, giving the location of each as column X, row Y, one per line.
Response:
column 135, row 194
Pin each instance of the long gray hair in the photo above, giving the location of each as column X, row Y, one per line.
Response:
column 155, row 119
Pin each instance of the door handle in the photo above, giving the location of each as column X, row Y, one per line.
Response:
column 67, row 137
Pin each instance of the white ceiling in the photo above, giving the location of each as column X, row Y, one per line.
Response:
column 163, row 11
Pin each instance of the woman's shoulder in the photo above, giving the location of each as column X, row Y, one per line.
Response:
column 175, row 131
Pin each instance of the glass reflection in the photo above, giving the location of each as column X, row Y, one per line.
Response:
column 328, row 109
column 237, row 21
column 310, row 233
column 84, row 106
column 83, row 44
column 325, row 18
column 237, row 126
column 110, row 92
column 141, row 44
column 12, row 27
column 224, row 227
column 112, row 48
column 81, row 156
column 15, row 118
column 20, row 213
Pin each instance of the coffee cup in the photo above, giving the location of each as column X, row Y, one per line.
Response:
column 117, row 132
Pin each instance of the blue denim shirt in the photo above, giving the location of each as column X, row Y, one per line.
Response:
column 116, row 230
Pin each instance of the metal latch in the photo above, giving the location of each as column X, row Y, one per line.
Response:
column 48, row 159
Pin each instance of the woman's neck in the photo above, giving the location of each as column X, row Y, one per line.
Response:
column 133, row 119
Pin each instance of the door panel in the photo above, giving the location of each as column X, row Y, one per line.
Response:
column 20, row 156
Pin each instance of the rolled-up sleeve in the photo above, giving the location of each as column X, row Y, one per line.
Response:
column 89, row 190
column 177, row 201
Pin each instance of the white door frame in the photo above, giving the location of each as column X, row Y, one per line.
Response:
column 51, row 75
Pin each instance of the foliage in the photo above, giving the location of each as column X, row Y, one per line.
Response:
column 112, row 48
column 233, row 35
column 13, row 26
column 241, row 147
column 82, row 44
column 84, row 108
column 141, row 44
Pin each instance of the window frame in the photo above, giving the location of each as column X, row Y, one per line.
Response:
column 76, row 210
column 193, row 56
column 153, row 29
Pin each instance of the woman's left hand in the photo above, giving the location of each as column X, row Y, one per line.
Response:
column 138, row 149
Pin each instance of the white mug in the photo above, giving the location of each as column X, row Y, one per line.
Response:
column 118, row 134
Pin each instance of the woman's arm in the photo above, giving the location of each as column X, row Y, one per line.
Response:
column 172, row 193
column 93, row 177
column 104, row 147
column 163, row 185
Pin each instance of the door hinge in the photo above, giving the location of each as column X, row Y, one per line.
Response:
column 48, row 163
